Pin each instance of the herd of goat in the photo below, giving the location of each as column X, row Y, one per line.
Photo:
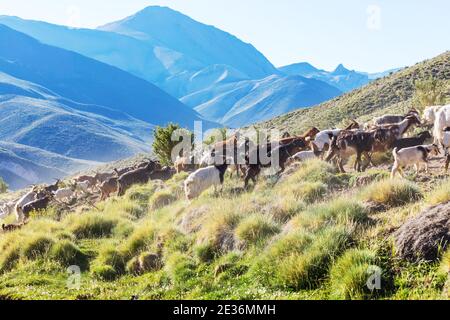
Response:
column 335, row 145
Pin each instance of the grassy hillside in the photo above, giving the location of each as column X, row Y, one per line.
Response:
column 298, row 238
column 393, row 93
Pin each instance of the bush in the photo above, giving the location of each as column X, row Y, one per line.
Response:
column 162, row 199
column 256, row 228
column 3, row 186
column 350, row 274
column 37, row 246
column 163, row 144
column 93, row 226
column 68, row 254
column 439, row 195
column 392, row 193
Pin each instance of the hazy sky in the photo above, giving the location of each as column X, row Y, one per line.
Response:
column 367, row 35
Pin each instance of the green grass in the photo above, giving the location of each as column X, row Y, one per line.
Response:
column 296, row 238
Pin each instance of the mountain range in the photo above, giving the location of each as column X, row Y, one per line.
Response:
column 188, row 59
column 84, row 96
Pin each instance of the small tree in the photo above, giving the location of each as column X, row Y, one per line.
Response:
column 163, row 144
column 3, row 186
column 212, row 138
column 430, row 92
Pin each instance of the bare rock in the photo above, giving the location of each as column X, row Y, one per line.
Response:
column 424, row 236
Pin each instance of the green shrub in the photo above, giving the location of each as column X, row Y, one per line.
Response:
column 37, row 246
column 392, row 193
column 68, row 254
column 349, row 276
column 3, row 186
column 256, row 228
column 93, row 226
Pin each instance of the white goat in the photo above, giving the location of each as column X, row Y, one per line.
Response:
column 84, row 186
column 64, row 194
column 307, row 155
column 441, row 122
column 203, row 179
column 413, row 156
column 27, row 198
column 429, row 114
column 7, row 209
column 324, row 138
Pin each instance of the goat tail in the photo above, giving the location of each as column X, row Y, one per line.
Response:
column 395, row 153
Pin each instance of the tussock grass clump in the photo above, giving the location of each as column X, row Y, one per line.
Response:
column 441, row 194
column 306, row 270
column 9, row 258
column 162, row 199
column 350, row 275
column 68, row 254
column 284, row 208
column 109, row 264
column 104, row 272
column 142, row 193
column 37, row 246
column 317, row 171
column 92, row 226
column 312, row 191
column 141, row 239
column 218, row 230
column 445, row 263
column 256, row 228
column 339, row 211
column 180, row 268
column 392, row 193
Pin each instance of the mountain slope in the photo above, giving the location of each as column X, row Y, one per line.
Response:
column 246, row 102
column 205, row 44
column 341, row 78
column 390, row 94
column 171, row 51
column 84, row 80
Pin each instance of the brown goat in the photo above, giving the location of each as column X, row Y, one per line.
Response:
column 348, row 143
column 108, row 187
column 138, row 176
column 308, row 135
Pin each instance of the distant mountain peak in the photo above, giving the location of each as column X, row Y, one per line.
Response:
column 341, row 70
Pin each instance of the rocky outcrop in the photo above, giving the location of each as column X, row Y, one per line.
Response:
column 424, row 236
